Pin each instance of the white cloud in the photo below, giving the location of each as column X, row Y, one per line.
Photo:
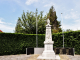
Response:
column 29, row 2
column 71, row 9
column 72, row 27
column 76, row 11
column 15, row 20
column 5, row 27
column 48, row 5
column 1, row 21
column 77, row 21
column 45, row 5
column 20, row 3
column 72, row 15
column 75, row 26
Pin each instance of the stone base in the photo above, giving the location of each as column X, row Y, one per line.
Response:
column 48, row 58
column 48, row 55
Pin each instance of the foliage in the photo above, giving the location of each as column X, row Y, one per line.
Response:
column 17, row 43
column 27, row 23
column 53, row 20
column 11, row 43
column 68, row 30
column 1, row 31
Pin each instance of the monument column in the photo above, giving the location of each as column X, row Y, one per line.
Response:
column 48, row 52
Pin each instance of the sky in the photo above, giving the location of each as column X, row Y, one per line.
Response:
column 10, row 10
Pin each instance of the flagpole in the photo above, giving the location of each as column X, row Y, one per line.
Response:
column 36, row 31
column 62, row 31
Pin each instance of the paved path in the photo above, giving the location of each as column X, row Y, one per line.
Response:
column 25, row 57
column 75, row 57
column 15, row 57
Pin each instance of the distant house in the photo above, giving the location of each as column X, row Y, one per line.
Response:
column 1, row 31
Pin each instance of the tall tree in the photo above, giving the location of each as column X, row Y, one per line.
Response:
column 18, row 26
column 27, row 23
column 41, row 23
column 53, row 20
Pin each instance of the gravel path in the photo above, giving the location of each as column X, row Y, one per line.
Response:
column 15, row 57
column 75, row 57
column 26, row 57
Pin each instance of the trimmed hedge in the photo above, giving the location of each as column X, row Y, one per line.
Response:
column 12, row 43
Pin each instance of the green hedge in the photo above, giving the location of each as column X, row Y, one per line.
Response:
column 12, row 43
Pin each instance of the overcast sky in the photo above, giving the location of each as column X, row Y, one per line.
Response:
column 10, row 10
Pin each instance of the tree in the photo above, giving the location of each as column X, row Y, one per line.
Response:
column 42, row 23
column 53, row 20
column 18, row 26
column 68, row 30
column 1, row 31
column 27, row 23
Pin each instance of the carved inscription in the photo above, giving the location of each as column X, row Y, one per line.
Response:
column 48, row 34
column 48, row 47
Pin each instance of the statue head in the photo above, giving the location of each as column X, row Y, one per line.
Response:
column 48, row 21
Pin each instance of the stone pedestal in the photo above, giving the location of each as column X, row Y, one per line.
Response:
column 48, row 52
